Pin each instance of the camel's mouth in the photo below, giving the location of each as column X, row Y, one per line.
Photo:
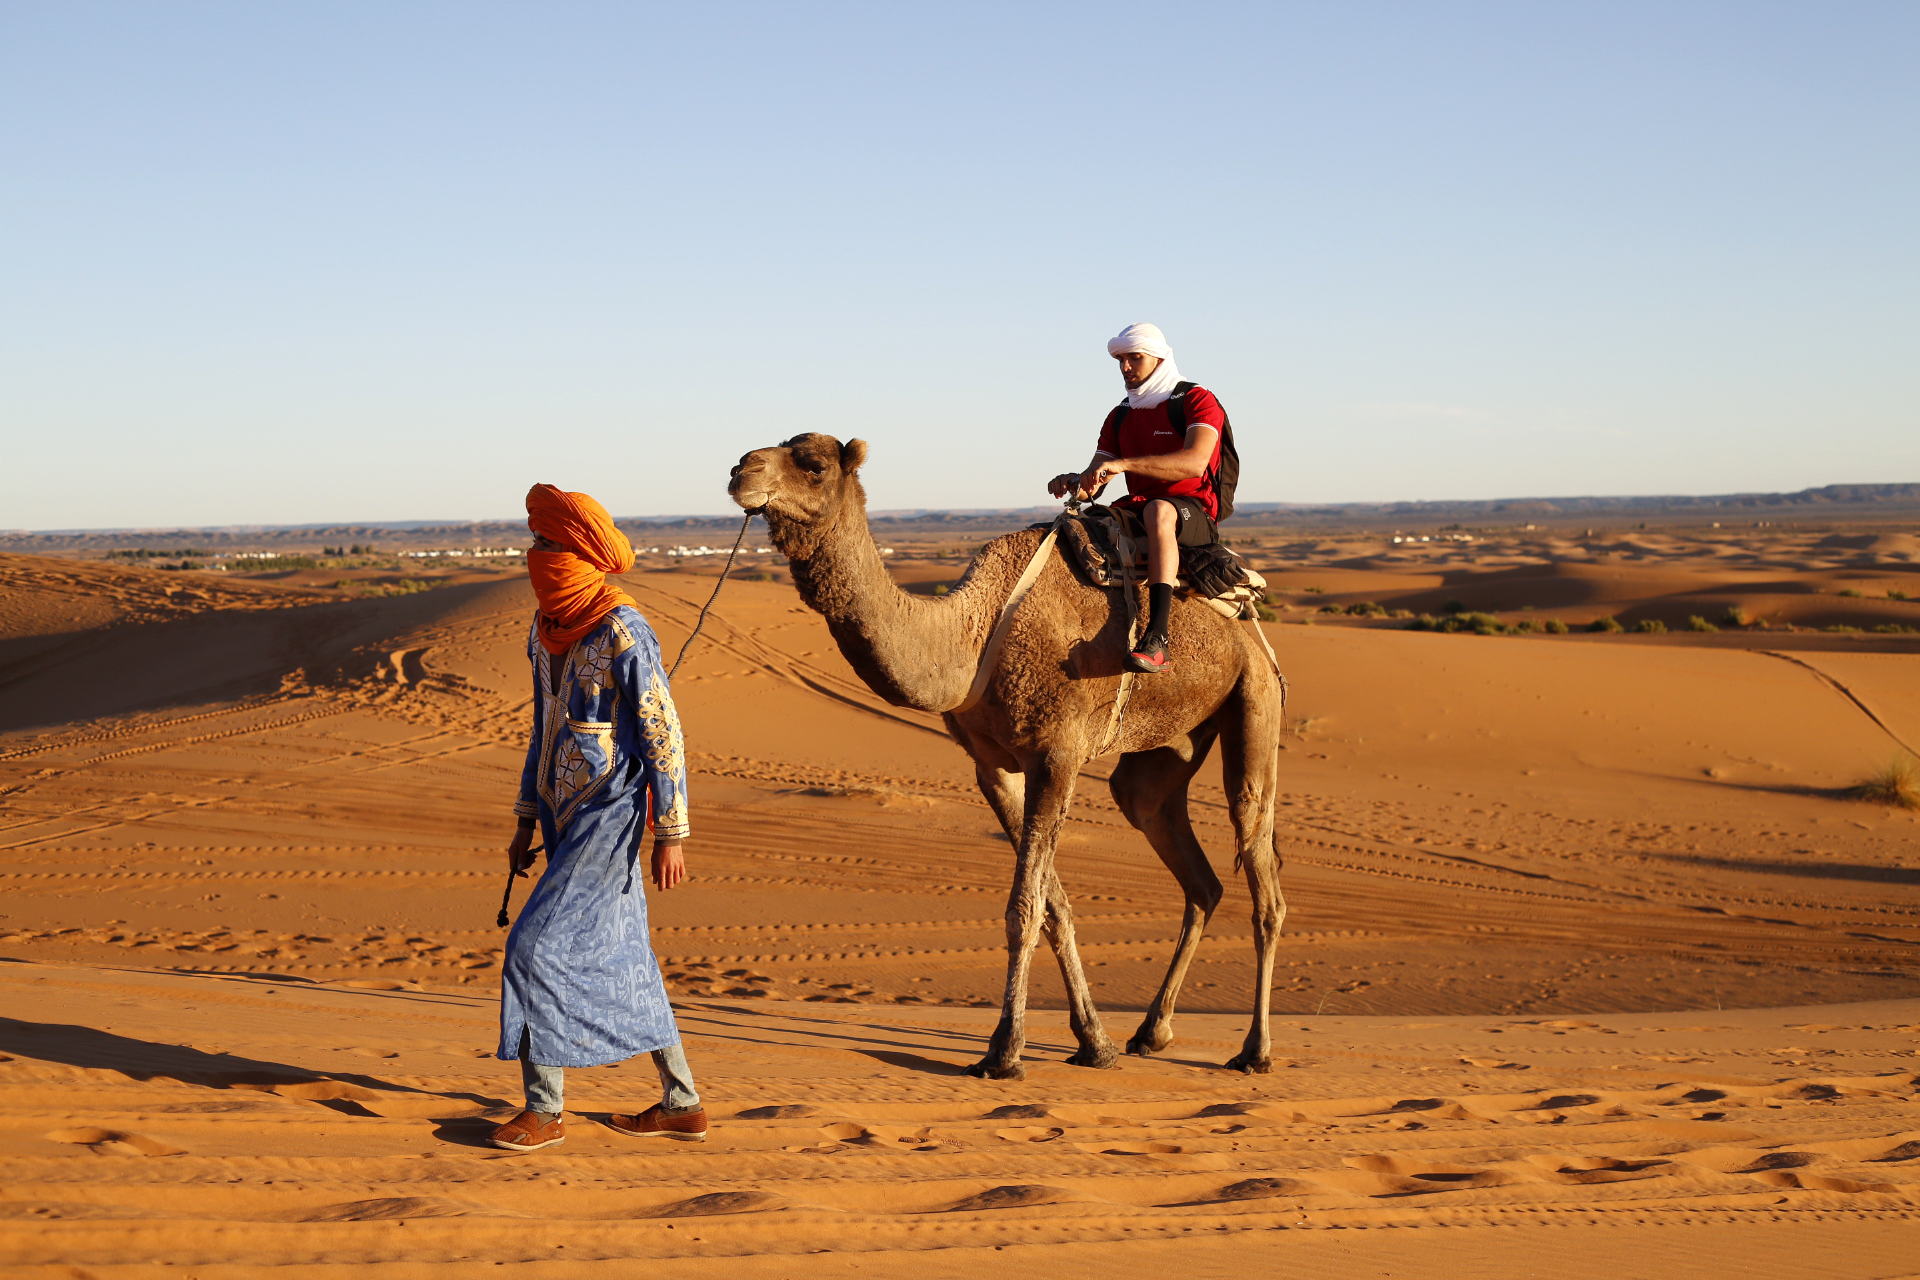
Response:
column 748, row 499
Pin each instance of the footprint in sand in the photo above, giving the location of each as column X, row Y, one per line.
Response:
column 715, row 1203
column 114, row 1142
column 1016, row 1197
column 1266, row 1188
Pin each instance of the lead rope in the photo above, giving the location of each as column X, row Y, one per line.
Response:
column 724, row 570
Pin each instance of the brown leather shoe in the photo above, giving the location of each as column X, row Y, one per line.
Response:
column 526, row 1132
column 653, row 1123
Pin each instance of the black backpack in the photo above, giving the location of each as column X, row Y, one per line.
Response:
column 1224, row 478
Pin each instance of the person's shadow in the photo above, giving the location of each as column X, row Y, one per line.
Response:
column 97, row 1050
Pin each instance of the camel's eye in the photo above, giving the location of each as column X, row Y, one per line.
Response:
column 817, row 466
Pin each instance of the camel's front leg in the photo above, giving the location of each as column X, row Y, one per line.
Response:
column 1049, row 790
column 1005, row 792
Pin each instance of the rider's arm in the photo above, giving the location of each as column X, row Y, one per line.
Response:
column 1182, row 464
column 1067, row 482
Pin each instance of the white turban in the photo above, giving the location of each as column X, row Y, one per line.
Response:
column 1148, row 340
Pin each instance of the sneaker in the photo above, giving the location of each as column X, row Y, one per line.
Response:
column 1150, row 655
column 527, row 1132
column 655, row 1123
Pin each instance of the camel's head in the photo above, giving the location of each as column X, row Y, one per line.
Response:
column 802, row 483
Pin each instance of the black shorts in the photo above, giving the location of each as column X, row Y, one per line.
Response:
column 1196, row 527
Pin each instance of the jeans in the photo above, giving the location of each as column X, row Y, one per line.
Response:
column 546, row 1086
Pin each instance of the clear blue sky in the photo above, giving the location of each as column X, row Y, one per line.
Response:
column 274, row 263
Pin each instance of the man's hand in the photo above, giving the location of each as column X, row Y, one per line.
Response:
column 1096, row 476
column 518, row 859
column 1066, row 483
column 669, row 865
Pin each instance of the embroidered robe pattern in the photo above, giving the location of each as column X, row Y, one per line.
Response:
column 605, row 760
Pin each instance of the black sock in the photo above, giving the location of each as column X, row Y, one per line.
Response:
column 1159, row 601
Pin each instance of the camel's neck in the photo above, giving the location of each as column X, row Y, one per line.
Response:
column 914, row 651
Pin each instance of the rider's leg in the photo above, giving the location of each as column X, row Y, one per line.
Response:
column 1163, row 549
column 1163, row 562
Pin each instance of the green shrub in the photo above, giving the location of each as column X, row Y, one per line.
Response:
column 1697, row 623
column 940, row 588
column 404, row 587
column 1523, row 626
column 1651, row 627
column 1315, row 591
column 1481, row 624
column 1735, row 616
column 143, row 553
column 1605, row 624
column 1897, row 595
column 1842, row 628
column 1265, row 613
column 1850, row 592
column 1554, row 627
column 1898, row 785
column 274, row 564
column 1893, row 629
column 1367, row 609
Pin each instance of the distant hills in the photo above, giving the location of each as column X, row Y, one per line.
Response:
column 1842, row 503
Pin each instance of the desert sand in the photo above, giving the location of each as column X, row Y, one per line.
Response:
column 1591, row 966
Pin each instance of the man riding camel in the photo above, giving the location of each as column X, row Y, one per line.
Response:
column 1165, row 438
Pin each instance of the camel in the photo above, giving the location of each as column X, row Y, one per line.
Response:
column 1046, row 713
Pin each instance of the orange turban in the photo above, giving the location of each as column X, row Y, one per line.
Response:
column 572, row 584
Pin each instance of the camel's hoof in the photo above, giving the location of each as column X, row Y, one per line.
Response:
column 1247, row 1064
column 1145, row 1045
column 1105, row 1058
column 988, row 1071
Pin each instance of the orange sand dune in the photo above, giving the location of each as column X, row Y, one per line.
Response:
column 1582, row 935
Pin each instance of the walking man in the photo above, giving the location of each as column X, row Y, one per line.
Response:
column 580, row 986
column 1165, row 438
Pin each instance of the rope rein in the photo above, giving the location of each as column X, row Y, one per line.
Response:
column 724, row 571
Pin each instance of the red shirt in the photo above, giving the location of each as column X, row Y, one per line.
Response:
column 1145, row 433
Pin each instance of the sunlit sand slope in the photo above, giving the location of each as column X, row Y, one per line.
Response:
column 227, row 1123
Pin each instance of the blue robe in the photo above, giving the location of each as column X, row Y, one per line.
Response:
column 606, row 759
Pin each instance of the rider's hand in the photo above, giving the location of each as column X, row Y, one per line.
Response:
column 1065, row 483
column 669, row 865
column 1099, row 473
column 518, row 859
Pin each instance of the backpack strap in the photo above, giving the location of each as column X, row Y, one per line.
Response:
column 1177, row 407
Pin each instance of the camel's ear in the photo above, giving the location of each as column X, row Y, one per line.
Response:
column 853, row 454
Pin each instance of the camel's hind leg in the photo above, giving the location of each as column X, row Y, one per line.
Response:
column 1005, row 792
column 1151, row 789
column 1250, row 763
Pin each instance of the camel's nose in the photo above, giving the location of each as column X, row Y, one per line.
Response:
column 745, row 487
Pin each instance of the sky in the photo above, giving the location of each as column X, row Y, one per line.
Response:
column 277, row 264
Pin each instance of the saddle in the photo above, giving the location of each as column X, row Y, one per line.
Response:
column 1110, row 546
